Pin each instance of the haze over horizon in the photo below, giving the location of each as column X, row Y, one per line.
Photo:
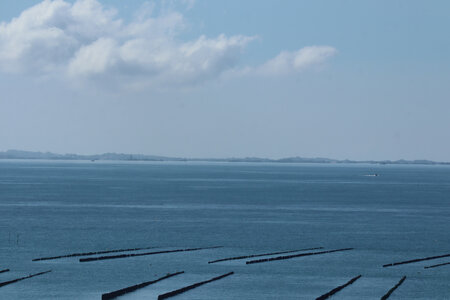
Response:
column 364, row 80
column 24, row 154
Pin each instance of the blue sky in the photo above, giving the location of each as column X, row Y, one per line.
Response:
column 340, row 79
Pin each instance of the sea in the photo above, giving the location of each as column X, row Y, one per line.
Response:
column 54, row 208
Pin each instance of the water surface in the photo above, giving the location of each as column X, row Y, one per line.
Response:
column 52, row 208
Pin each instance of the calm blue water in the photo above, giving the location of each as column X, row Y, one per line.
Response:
column 53, row 208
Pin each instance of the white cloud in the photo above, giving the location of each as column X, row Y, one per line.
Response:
column 95, row 58
column 85, row 40
column 290, row 62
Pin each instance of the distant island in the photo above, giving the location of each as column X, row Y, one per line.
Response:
column 19, row 154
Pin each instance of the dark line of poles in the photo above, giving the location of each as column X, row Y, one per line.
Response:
column 143, row 254
column 337, row 289
column 23, row 278
column 438, row 265
column 115, row 294
column 415, row 260
column 388, row 294
column 192, row 286
column 90, row 253
column 294, row 256
column 258, row 255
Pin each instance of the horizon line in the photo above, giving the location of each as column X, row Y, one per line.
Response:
column 115, row 156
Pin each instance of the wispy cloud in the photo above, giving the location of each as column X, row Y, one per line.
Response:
column 85, row 40
column 296, row 61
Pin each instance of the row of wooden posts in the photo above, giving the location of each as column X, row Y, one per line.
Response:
column 132, row 288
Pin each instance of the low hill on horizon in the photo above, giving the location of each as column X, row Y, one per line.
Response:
column 21, row 154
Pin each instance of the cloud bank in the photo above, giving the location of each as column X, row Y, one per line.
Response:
column 85, row 40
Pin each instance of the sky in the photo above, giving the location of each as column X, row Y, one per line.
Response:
column 197, row 78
